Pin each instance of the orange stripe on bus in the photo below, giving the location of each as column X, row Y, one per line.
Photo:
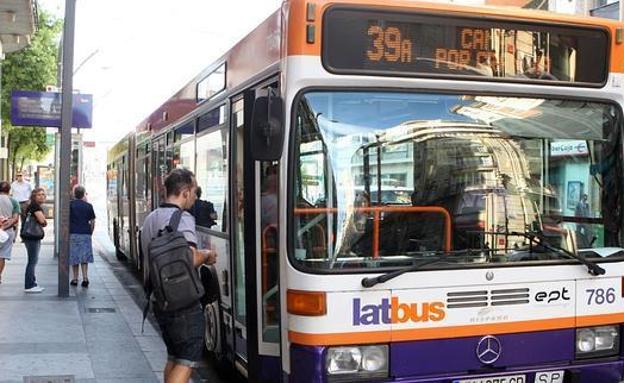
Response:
column 451, row 331
column 297, row 23
column 597, row 320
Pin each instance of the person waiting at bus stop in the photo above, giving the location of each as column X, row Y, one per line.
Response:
column 20, row 190
column 33, row 245
column 182, row 330
column 81, row 225
column 9, row 217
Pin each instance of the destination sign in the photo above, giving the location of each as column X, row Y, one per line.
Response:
column 403, row 44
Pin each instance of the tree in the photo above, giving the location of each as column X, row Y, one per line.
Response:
column 30, row 69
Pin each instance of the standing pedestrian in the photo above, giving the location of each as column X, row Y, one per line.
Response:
column 81, row 225
column 183, row 329
column 21, row 190
column 9, row 217
column 33, row 245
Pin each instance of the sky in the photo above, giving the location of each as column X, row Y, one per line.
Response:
column 132, row 55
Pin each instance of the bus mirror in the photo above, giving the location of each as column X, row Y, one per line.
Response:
column 267, row 136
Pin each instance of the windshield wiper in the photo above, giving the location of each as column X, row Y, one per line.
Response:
column 592, row 268
column 439, row 256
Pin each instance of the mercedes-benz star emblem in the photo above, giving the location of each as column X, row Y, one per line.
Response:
column 489, row 349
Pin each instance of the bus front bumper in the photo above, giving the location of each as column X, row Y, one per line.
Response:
column 603, row 372
column 308, row 366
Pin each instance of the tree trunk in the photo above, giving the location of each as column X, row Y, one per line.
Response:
column 11, row 171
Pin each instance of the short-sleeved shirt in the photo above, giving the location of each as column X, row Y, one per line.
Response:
column 21, row 190
column 8, row 206
column 158, row 220
column 33, row 208
column 80, row 214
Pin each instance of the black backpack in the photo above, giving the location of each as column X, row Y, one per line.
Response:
column 173, row 280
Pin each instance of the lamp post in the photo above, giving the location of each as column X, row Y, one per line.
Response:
column 65, row 148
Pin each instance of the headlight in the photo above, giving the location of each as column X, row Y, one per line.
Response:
column 356, row 363
column 594, row 342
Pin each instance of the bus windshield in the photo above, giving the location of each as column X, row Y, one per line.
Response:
column 384, row 179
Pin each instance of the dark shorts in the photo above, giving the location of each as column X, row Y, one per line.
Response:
column 183, row 333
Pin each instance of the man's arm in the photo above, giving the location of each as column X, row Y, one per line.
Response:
column 10, row 222
column 205, row 256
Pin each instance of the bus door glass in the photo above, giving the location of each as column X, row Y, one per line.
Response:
column 160, row 171
column 267, row 257
column 143, row 177
column 211, row 219
column 122, row 204
column 238, row 225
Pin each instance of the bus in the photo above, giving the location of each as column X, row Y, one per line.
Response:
column 501, row 130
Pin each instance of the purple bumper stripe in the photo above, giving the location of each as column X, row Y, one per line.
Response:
column 459, row 355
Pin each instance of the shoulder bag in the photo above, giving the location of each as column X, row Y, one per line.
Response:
column 31, row 229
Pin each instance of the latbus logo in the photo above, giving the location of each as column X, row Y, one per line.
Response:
column 392, row 311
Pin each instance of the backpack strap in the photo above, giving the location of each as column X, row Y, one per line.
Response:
column 148, row 298
column 175, row 220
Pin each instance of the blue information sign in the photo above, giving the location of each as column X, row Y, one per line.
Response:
column 29, row 108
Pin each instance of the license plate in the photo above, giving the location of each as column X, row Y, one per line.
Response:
column 496, row 379
column 549, row 377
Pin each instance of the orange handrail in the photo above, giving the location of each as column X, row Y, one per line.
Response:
column 266, row 249
column 376, row 210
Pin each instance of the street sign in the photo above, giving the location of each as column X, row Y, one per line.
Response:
column 29, row 108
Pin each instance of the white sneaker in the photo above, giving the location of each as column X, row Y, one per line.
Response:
column 34, row 290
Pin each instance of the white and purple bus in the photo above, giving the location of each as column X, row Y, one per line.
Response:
column 402, row 192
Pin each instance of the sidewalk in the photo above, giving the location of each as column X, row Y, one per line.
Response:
column 94, row 336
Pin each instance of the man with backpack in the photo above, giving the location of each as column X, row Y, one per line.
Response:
column 171, row 257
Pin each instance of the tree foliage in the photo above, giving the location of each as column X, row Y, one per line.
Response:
column 29, row 69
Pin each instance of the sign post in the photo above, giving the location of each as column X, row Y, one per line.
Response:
column 64, row 163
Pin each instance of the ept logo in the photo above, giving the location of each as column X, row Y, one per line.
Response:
column 395, row 312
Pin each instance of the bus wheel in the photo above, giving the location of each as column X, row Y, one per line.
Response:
column 213, row 329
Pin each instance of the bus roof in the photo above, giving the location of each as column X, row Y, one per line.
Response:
column 264, row 46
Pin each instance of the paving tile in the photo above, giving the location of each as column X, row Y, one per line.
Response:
column 25, row 322
column 151, row 343
column 42, row 348
column 15, row 367
column 151, row 379
column 120, row 364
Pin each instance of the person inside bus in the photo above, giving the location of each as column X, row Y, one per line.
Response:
column 584, row 232
column 411, row 231
column 358, row 235
column 203, row 211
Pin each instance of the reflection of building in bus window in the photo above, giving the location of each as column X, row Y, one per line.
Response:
column 203, row 211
